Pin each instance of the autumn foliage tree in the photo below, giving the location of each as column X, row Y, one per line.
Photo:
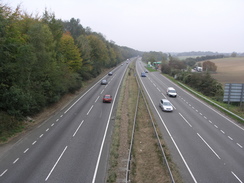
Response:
column 70, row 52
column 209, row 66
column 43, row 58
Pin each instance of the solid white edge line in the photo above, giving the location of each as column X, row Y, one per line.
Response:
column 170, row 134
column 208, row 146
column 56, row 163
column 106, row 129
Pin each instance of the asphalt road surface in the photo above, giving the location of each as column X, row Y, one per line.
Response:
column 71, row 146
column 206, row 145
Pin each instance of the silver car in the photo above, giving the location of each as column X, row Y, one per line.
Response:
column 104, row 82
column 165, row 105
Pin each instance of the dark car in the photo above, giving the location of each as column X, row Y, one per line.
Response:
column 107, row 98
column 110, row 73
column 104, row 82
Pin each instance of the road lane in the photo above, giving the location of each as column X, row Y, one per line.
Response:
column 64, row 148
column 199, row 133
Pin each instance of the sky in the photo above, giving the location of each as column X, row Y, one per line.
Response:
column 154, row 25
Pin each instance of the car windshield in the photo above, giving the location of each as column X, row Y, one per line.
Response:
column 107, row 96
column 172, row 91
column 167, row 104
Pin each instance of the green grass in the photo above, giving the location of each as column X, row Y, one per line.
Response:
column 220, row 105
column 150, row 69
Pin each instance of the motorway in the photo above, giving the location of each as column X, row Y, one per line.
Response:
column 72, row 145
column 206, row 145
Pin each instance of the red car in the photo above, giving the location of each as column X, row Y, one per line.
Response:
column 107, row 98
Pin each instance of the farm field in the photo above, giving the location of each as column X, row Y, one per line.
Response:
column 229, row 70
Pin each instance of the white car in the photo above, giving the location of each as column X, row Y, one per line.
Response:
column 165, row 105
column 171, row 92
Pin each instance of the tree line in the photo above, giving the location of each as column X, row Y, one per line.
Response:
column 197, row 53
column 182, row 70
column 154, row 56
column 202, row 82
column 192, row 61
column 43, row 58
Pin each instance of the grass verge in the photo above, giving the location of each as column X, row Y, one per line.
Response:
column 147, row 164
column 224, row 107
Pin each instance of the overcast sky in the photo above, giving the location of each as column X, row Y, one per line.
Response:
column 154, row 25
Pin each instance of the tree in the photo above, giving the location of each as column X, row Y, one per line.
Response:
column 233, row 54
column 74, row 27
column 176, row 63
column 70, row 52
column 112, row 55
column 209, row 66
column 99, row 54
column 85, row 50
column 165, row 68
column 55, row 26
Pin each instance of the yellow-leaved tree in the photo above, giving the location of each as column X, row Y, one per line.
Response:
column 70, row 52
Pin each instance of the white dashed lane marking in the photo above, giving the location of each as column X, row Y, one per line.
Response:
column 239, row 145
column 89, row 110
column 78, row 128
column 208, row 146
column 15, row 160
column 4, row 172
column 26, row 150
column 205, row 117
column 230, row 138
column 97, row 98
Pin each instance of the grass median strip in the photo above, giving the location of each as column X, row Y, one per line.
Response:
column 147, row 163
